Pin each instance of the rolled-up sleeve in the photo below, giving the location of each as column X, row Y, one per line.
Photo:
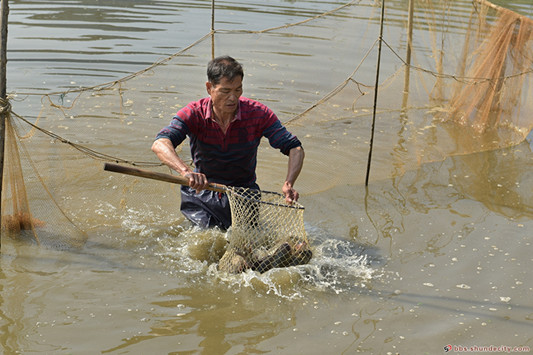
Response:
column 280, row 138
column 176, row 131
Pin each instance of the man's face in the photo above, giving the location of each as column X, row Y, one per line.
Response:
column 225, row 95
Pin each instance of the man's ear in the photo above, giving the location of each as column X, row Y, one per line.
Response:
column 208, row 87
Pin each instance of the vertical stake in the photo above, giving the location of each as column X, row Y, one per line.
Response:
column 3, row 48
column 375, row 93
column 4, row 11
column 212, row 29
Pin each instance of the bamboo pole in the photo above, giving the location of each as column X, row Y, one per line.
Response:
column 4, row 11
column 212, row 29
column 3, row 48
column 376, row 88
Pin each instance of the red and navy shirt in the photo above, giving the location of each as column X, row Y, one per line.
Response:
column 230, row 158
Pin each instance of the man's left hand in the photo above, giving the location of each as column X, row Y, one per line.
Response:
column 291, row 195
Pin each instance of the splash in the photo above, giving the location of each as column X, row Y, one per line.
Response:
column 337, row 266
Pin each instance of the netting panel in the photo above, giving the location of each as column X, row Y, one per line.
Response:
column 497, row 57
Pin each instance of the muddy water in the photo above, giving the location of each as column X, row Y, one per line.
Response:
column 435, row 256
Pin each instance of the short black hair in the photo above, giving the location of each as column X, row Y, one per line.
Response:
column 223, row 67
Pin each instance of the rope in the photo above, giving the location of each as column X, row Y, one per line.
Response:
column 461, row 79
column 85, row 150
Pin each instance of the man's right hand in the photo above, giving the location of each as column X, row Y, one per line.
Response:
column 166, row 152
column 197, row 181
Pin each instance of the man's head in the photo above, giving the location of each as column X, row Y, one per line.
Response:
column 224, row 85
column 223, row 67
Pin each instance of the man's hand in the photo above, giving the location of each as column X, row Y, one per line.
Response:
column 296, row 160
column 197, row 181
column 166, row 152
column 291, row 195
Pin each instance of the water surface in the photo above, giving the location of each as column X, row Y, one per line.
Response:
column 433, row 252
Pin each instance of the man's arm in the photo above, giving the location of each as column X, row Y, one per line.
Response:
column 296, row 160
column 165, row 151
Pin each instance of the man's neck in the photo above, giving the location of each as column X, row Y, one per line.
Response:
column 223, row 121
column 223, row 118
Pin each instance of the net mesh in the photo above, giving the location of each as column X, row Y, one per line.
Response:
column 266, row 232
column 497, row 64
column 52, row 227
column 16, row 219
column 464, row 88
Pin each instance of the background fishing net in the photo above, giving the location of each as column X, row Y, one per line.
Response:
column 446, row 89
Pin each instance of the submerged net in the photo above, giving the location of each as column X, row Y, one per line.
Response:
column 465, row 87
column 266, row 232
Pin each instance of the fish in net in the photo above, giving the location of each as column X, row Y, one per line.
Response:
column 266, row 232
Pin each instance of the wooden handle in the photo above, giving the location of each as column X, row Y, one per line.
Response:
column 175, row 179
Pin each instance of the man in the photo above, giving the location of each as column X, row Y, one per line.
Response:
column 225, row 130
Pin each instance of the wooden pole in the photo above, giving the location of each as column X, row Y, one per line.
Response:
column 4, row 11
column 175, row 179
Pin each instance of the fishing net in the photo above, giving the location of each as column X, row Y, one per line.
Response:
column 17, row 218
column 266, row 232
column 455, row 79
column 52, row 227
column 499, row 62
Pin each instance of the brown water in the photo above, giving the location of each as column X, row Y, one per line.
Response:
column 428, row 255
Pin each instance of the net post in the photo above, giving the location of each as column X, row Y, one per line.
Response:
column 3, row 49
column 375, row 93
column 4, row 11
column 212, row 29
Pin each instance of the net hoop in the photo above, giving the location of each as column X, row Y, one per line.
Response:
column 295, row 205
